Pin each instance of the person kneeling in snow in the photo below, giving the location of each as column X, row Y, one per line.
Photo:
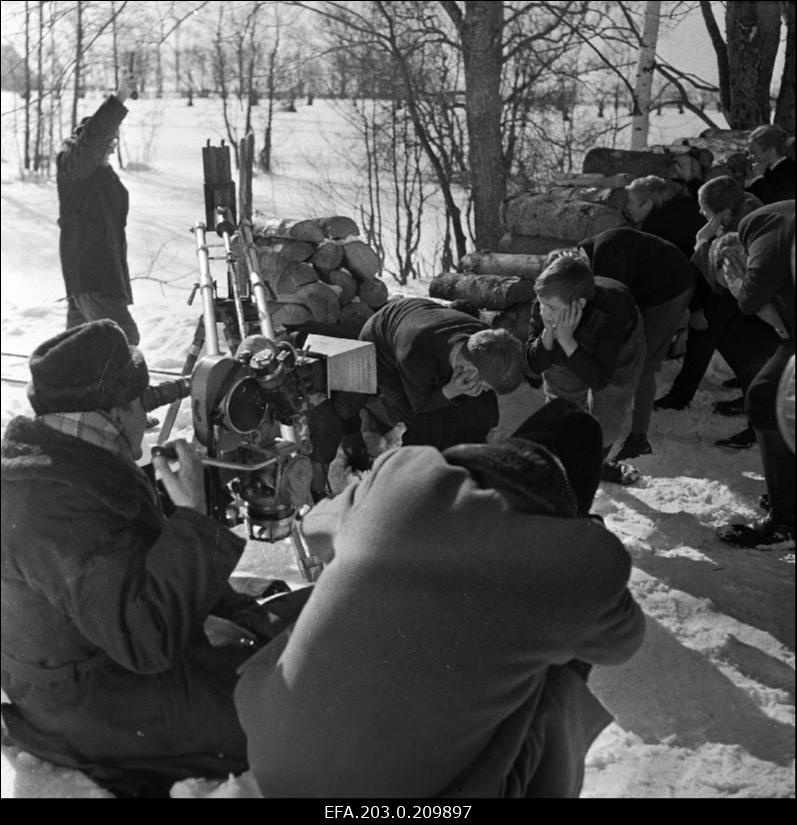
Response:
column 444, row 648
column 104, row 657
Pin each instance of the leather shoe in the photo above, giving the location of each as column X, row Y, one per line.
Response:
column 762, row 532
column 735, row 406
column 741, row 441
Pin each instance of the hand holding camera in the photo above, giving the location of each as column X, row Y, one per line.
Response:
column 128, row 87
column 185, row 484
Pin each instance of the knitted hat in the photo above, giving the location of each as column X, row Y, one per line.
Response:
column 528, row 475
column 575, row 437
column 88, row 367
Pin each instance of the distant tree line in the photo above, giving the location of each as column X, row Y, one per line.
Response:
column 469, row 100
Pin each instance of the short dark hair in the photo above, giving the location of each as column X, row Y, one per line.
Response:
column 497, row 355
column 723, row 192
column 770, row 137
column 568, row 277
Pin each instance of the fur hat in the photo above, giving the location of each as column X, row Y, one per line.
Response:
column 528, row 475
column 575, row 437
column 88, row 367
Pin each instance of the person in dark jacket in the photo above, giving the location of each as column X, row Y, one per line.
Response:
column 657, row 207
column 104, row 658
column 770, row 173
column 767, row 236
column 586, row 340
column 435, row 659
column 745, row 342
column 662, row 281
column 439, row 370
column 92, row 215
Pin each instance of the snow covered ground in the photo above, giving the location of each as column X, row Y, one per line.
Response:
column 704, row 709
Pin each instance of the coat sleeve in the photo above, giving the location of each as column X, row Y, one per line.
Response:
column 612, row 630
column 81, row 156
column 138, row 601
column 596, row 364
column 537, row 356
column 764, row 276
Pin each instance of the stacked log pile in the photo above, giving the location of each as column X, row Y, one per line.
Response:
column 573, row 209
column 499, row 283
column 322, row 273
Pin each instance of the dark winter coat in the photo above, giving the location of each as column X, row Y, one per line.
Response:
column 655, row 270
column 676, row 221
column 103, row 652
column 413, row 338
column 421, row 666
column 768, row 238
column 609, row 320
column 93, row 207
column 776, row 184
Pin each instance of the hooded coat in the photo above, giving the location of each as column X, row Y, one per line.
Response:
column 104, row 657
column 427, row 661
column 93, row 206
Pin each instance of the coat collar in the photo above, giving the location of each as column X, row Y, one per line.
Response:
column 34, row 452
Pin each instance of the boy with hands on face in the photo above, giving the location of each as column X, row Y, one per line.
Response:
column 586, row 340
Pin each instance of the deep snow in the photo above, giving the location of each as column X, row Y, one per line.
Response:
column 704, row 709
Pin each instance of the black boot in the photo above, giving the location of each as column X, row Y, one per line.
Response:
column 739, row 441
column 778, row 525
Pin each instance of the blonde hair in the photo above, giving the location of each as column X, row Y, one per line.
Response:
column 652, row 188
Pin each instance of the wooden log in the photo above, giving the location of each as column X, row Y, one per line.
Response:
column 338, row 227
column 515, row 319
column 327, row 256
column 355, row 314
column 373, row 293
column 595, row 179
column 344, row 280
column 361, row 260
column 294, row 275
column 530, row 245
column 289, row 248
column 485, row 291
column 612, row 161
column 545, row 215
column 502, row 263
column 281, row 228
column 288, row 314
column 321, row 300
column 613, row 196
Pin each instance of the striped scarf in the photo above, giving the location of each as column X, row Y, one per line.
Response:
column 96, row 428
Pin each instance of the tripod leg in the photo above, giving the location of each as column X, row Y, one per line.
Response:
column 188, row 368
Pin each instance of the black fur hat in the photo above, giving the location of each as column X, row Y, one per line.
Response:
column 575, row 437
column 88, row 367
column 528, row 475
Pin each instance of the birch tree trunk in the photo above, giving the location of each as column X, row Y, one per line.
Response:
column 640, row 123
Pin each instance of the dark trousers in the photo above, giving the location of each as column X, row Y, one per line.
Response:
column 744, row 341
column 93, row 306
column 777, row 458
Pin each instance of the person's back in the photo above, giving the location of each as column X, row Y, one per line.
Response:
column 654, row 269
column 767, row 235
column 418, row 665
column 414, row 336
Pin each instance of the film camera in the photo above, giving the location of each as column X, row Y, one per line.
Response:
column 250, row 404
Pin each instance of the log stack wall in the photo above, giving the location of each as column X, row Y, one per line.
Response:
column 322, row 274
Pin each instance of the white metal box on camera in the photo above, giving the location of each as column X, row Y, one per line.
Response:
column 350, row 364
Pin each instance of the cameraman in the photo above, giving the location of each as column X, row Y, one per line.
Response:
column 92, row 213
column 104, row 658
